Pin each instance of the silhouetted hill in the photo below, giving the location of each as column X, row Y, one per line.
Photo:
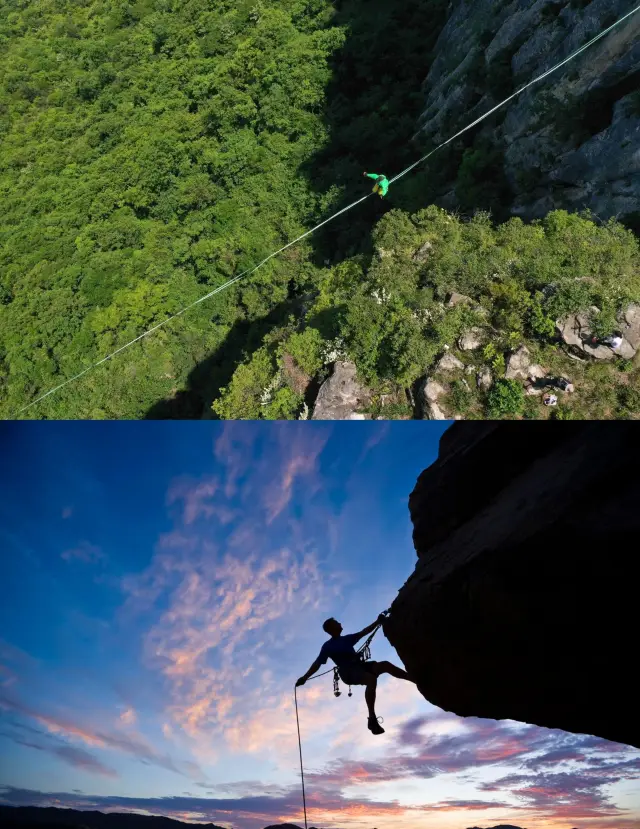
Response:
column 502, row 826
column 32, row 817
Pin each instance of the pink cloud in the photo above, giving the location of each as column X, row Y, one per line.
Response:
column 300, row 452
column 196, row 496
column 234, row 450
column 128, row 717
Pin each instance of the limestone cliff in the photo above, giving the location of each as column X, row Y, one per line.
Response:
column 573, row 140
column 524, row 601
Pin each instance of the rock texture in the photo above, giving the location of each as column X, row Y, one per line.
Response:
column 518, row 364
column 571, row 141
column 449, row 362
column 523, row 603
column 471, row 339
column 575, row 331
column 341, row 396
column 431, row 393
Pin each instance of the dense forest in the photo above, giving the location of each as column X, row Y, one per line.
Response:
column 151, row 151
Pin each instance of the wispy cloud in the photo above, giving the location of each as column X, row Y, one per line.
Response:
column 128, row 717
column 132, row 744
column 73, row 756
column 196, row 497
column 84, row 551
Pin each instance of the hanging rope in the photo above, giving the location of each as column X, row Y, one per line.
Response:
column 364, row 652
column 304, row 801
column 330, row 219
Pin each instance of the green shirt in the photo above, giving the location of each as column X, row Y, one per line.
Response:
column 382, row 181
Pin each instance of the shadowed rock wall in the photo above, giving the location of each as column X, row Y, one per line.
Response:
column 524, row 603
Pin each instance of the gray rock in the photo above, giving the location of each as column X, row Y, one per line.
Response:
column 449, row 363
column 625, row 350
column 536, row 372
column 341, row 395
column 423, row 253
column 458, row 299
column 631, row 326
column 518, row 364
column 434, row 412
column 471, row 339
column 484, row 380
column 576, row 331
column 432, row 390
column 546, row 170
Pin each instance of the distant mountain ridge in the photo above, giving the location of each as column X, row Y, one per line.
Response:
column 33, row 816
column 37, row 815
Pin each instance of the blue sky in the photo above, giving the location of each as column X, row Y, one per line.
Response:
column 164, row 585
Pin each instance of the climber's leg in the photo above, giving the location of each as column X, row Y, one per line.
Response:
column 389, row 668
column 370, row 694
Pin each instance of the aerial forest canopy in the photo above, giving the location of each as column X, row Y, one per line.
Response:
column 151, row 151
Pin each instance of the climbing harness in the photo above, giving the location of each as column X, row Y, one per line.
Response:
column 250, row 271
column 364, row 653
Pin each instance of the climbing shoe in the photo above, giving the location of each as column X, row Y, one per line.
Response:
column 374, row 726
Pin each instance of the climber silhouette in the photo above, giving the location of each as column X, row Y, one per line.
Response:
column 352, row 669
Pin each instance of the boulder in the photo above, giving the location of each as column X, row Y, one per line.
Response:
column 432, row 392
column 423, row 253
column 536, row 372
column 575, row 330
column 484, row 379
column 458, row 299
column 625, row 350
column 341, row 395
column 435, row 412
column 518, row 364
column 471, row 339
column 449, row 363
column 630, row 326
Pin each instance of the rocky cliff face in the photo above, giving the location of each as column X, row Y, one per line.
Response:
column 523, row 603
column 571, row 141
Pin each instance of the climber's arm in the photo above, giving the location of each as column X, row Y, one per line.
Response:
column 374, row 176
column 315, row 667
column 368, row 629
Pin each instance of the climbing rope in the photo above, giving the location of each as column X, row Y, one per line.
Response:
column 304, row 801
column 250, row 271
column 364, row 652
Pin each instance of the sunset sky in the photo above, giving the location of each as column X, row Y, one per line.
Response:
column 164, row 585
